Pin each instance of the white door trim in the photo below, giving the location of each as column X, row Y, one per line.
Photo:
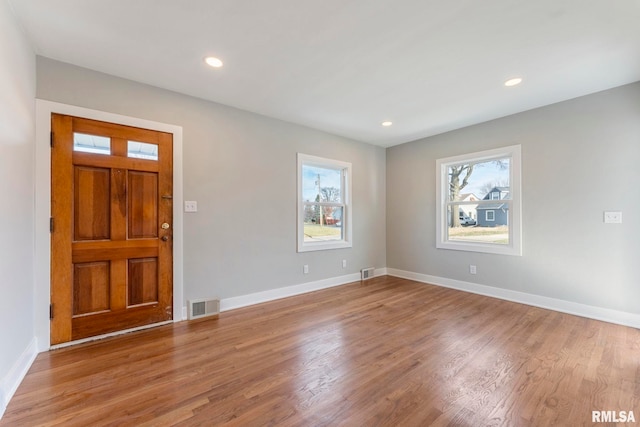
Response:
column 42, row 254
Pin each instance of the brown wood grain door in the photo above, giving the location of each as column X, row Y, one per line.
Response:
column 112, row 218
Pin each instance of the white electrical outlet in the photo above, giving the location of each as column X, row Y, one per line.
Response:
column 472, row 269
column 191, row 206
column 305, row 269
column 613, row 217
column 344, row 263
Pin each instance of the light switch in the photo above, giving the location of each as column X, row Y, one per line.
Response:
column 191, row 206
column 611, row 217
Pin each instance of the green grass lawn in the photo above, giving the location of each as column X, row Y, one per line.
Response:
column 480, row 234
column 327, row 232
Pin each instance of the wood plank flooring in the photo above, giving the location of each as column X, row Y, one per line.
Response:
column 386, row 352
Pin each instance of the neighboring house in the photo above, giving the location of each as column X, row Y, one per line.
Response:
column 466, row 212
column 469, row 210
column 494, row 214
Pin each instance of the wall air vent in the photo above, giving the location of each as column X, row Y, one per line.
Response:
column 202, row 308
column 366, row 273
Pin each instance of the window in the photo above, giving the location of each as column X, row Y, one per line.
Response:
column 487, row 182
column 91, row 143
column 142, row 150
column 324, row 203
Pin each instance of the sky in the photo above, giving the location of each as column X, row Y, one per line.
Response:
column 328, row 178
column 487, row 172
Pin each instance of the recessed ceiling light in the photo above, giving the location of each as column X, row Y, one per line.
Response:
column 213, row 61
column 387, row 123
column 513, row 82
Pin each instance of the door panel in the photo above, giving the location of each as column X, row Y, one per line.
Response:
column 91, row 291
column 143, row 209
column 143, row 281
column 91, row 203
column 111, row 259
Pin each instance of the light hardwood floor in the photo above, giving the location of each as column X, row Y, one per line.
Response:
column 386, row 352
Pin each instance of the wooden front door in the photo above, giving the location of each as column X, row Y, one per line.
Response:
column 112, row 225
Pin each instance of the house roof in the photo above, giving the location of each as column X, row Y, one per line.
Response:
column 466, row 195
column 503, row 192
column 493, row 206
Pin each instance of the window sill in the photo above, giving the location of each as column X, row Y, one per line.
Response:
column 488, row 248
column 321, row 246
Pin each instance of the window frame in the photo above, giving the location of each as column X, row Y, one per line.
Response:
column 514, row 222
column 345, row 167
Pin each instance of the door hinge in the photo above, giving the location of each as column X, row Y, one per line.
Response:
column 51, row 225
column 51, row 139
column 50, row 311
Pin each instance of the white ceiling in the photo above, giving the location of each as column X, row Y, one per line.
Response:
column 344, row 66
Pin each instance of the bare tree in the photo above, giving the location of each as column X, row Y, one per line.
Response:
column 458, row 179
column 316, row 213
column 328, row 194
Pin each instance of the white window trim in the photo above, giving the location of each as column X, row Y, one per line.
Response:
column 514, row 220
column 486, row 215
column 346, row 242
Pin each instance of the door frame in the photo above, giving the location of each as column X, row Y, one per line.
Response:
column 42, row 209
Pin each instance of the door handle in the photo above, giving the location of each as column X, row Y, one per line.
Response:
column 164, row 238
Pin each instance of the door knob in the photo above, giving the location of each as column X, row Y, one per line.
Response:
column 165, row 226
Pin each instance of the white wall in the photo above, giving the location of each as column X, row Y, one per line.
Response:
column 241, row 169
column 579, row 158
column 17, row 93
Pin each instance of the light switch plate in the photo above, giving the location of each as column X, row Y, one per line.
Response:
column 612, row 217
column 191, row 206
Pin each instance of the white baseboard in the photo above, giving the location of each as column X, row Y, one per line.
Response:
column 12, row 380
column 582, row 310
column 273, row 294
column 380, row 272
